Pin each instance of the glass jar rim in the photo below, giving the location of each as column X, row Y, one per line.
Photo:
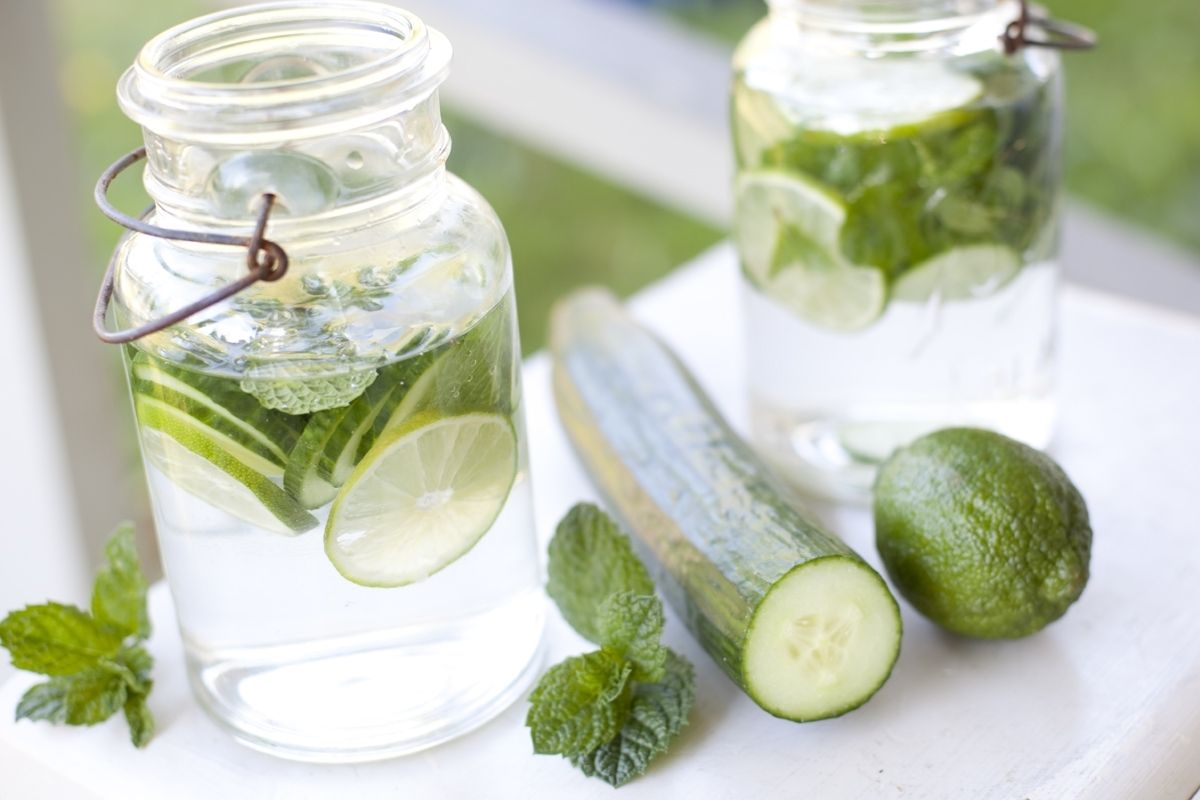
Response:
column 162, row 93
column 896, row 11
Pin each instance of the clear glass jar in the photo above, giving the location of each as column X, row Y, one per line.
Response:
column 337, row 459
column 898, row 199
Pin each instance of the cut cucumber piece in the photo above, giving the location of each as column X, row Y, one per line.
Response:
column 959, row 274
column 249, row 448
column 302, row 478
column 196, row 460
column 791, row 614
column 787, row 232
column 425, row 494
column 816, row 643
column 333, row 440
column 220, row 404
column 473, row 372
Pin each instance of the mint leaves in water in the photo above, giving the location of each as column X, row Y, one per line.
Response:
column 95, row 661
column 614, row 710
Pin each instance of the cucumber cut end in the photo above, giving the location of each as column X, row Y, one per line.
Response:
column 822, row 641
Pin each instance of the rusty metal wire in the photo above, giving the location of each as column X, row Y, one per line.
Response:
column 265, row 260
column 1055, row 33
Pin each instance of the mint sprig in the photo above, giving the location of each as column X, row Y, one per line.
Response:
column 96, row 663
column 612, row 711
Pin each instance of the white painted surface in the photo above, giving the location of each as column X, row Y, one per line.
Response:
column 1105, row 704
column 40, row 548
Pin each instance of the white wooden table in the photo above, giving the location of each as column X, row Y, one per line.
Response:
column 1103, row 704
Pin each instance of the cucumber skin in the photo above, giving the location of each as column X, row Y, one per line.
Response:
column 710, row 514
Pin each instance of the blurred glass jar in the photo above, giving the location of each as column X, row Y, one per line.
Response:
column 898, row 192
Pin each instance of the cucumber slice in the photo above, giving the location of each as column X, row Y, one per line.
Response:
column 474, row 372
column 301, row 477
column 335, row 440
column 787, row 232
column 425, row 494
column 246, row 446
column 959, row 274
column 219, row 403
column 822, row 640
column 791, row 614
column 203, row 463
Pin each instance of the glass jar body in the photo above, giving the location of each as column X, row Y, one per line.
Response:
column 337, row 459
column 897, row 220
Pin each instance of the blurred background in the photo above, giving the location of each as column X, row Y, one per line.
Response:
column 597, row 129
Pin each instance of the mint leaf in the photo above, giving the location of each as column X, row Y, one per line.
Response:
column 56, row 639
column 119, row 593
column 44, row 701
column 631, row 624
column 580, row 704
column 656, row 716
column 86, row 698
column 589, row 559
column 141, row 721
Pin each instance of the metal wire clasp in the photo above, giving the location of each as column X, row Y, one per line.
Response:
column 265, row 260
column 1056, row 33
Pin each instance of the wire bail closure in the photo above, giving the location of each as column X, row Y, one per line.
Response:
column 265, row 260
column 1056, row 34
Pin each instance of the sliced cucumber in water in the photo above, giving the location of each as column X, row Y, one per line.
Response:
column 473, row 372
column 335, row 440
column 219, row 404
column 204, row 463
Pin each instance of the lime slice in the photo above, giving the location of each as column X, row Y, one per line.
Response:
column 887, row 95
column 426, row 493
column 308, row 395
column 787, row 233
column 959, row 274
column 202, row 462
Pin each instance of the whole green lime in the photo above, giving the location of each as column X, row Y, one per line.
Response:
column 984, row 535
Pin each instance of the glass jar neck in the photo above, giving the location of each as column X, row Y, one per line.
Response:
column 331, row 106
column 883, row 27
